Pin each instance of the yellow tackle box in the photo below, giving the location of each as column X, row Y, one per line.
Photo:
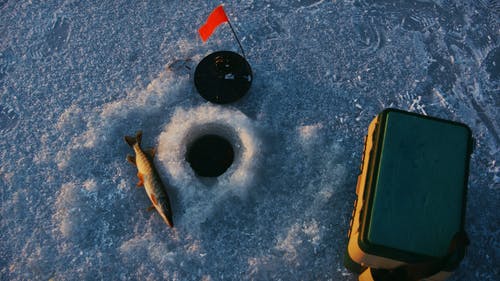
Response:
column 408, row 218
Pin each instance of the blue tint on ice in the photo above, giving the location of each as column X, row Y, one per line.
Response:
column 76, row 77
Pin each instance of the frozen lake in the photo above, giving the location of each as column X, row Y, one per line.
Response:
column 75, row 77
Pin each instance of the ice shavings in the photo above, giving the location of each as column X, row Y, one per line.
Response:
column 308, row 132
column 139, row 110
column 147, row 245
column 91, row 208
column 69, row 214
column 188, row 124
column 298, row 234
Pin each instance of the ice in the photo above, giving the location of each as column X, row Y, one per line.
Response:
column 184, row 127
column 76, row 77
column 308, row 133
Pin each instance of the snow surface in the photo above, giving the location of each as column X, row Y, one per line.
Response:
column 76, row 76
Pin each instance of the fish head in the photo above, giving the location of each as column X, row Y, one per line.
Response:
column 165, row 212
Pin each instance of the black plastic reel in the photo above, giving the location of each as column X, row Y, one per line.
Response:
column 223, row 77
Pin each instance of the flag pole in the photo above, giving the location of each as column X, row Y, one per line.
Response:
column 235, row 36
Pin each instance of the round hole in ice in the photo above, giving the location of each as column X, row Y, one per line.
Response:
column 210, row 155
column 190, row 124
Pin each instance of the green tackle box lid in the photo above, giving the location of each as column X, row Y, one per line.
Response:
column 416, row 187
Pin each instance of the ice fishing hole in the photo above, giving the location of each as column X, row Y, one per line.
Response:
column 210, row 155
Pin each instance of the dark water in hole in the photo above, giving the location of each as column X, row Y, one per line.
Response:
column 210, row 155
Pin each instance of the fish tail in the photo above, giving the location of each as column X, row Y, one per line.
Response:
column 133, row 140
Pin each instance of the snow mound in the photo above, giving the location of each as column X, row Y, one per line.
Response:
column 188, row 124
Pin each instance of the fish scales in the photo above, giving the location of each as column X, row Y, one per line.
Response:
column 149, row 177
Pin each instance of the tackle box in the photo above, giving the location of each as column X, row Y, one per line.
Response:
column 411, row 194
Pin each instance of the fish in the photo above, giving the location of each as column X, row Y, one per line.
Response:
column 149, row 178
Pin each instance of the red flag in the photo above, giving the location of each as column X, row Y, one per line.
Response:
column 217, row 17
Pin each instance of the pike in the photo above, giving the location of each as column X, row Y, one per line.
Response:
column 149, row 178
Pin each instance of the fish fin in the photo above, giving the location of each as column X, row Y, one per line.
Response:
column 130, row 140
column 151, row 152
column 141, row 179
column 138, row 137
column 153, row 198
column 133, row 140
column 131, row 159
column 151, row 208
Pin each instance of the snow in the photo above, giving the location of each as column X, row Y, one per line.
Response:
column 76, row 77
column 187, row 125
